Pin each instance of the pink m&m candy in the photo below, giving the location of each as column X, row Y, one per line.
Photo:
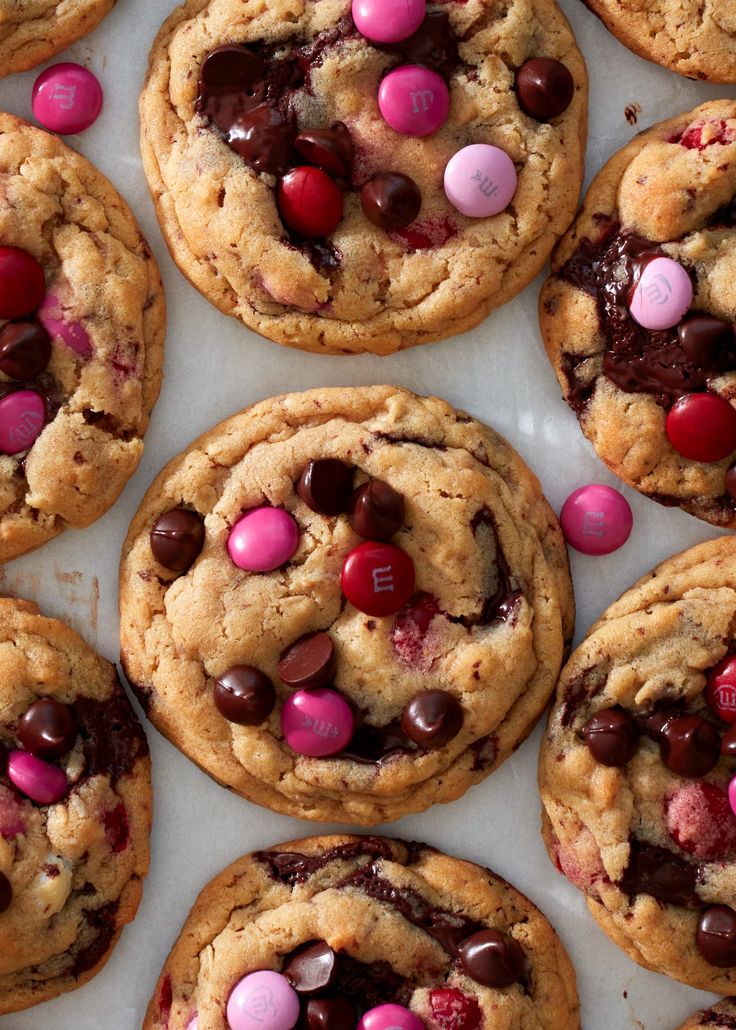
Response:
column 662, row 295
column 390, row 1017
column 193, row 1023
column 317, row 723
column 263, row 539
column 22, row 417
column 262, row 1001
column 732, row 795
column 480, row 180
column 38, row 780
column 414, row 100
column 67, row 98
column 720, row 692
column 378, row 579
column 596, row 519
column 388, row 21
column 74, row 335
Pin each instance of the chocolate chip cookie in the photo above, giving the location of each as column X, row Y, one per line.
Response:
column 696, row 38
column 330, row 928
column 638, row 314
column 75, row 808
column 31, row 31
column 636, row 766
column 719, row 1017
column 82, row 322
column 290, row 201
column 345, row 604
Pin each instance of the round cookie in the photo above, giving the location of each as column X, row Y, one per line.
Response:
column 393, row 922
column 72, row 861
column 437, row 688
column 646, row 398
column 362, row 287
column 696, row 38
column 720, row 1017
column 32, row 31
column 635, row 767
column 72, row 414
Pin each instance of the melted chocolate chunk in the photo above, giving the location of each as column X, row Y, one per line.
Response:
column 716, row 936
column 334, row 1012
column 503, row 604
column 660, row 873
column 291, row 867
column 330, row 149
column 25, row 349
column 373, row 744
column 492, row 958
column 612, row 737
column 112, row 738
column 103, row 922
column 433, row 44
column 371, row 984
column 312, row 968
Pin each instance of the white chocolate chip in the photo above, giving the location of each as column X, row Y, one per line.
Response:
column 52, row 886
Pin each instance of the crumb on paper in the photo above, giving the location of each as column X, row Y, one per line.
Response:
column 632, row 112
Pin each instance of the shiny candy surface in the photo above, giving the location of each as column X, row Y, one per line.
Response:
column 309, row 202
column 38, row 780
column 376, row 510
column 662, row 296
column 48, row 729
column 388, row 21
column 612, row 737
column 596, row 519
column 391, row 200
column 263, row 540
column 378, row 579
column 492, row 957
column 25, row 349
column 414, row 100
column 480, row 180
column 325, row 486
column 312, row 969
column 432, row 718
column 702, row 427
column 262, row 1001
column 244, row 695
column 67, row 98
column 544, row 87
column 22, row 417
column 716, row 936
column 720, row 692
column 22, row 283
column 177, row 538
column 317, row 723
column 309, row 662
column 390, row 1017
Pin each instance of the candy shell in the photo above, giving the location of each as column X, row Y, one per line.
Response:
column 38, row 780
column 263, row 540
column 317, row 723
column 67, row 98
column 262, row 1000
column 414, row 100
column 596, row 519
column 480, row 180
column 662, row 295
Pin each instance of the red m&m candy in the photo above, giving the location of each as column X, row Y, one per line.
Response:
column 22, row 283
column 378, row 579
column 720, row 693
column 702, row 427
column 309, row 202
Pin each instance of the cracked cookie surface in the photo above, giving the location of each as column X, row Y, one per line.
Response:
column 32, row 31
column 380, row 291
column 670, row 192
column 696, row 38
column 633, row 784
column 394, row 914
column 488, row 621
column 70, row 871
column 105, row 312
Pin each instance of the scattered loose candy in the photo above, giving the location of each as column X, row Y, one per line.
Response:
column 702, row 427
column 376, row 510
column 263, row 540
column 391, row 200
column 716, row 936
column 244, row 695
column 309, row 202
column 6, row 892
column 330, row 149
column 492, row 958
column 388, row 21
column 432, row 718
column 74, row 335
column 312, row 969
column 22, row 283
column 414, row 100
column 720, row 691
column 67, row 98
column 177, row 538
column 262, row 1000
column 309, row 662
column 378, row 579
column 612, row 737
column 41, row 782
column 390, row 1017
column 596, row 519
column 22, row 417
column 317, row 723
column 480, row 180
column 25, row 349
column 48, row 728
column 662, row 295
column 545, row 88
column 325, row 486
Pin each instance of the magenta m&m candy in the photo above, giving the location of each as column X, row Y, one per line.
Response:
column 596, row 519
column 390, row 1017
column 67, row 98
column 262, row 1000
column 662, row 295
column 388, row 21
column 317, row 723
column 74, row 335
column 263, row 539
column 22, row 417
column 480, row 180
column 414, row 100
column 720, row 691
column 702, row 427
column 22, row 283
column 377, row 579
column 732, row 795
column 38, row 780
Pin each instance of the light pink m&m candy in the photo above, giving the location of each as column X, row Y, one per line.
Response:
column 38, row 780
column 480, row 180
column 390, row 1017
column 193, row 1023
column 596, row 519
column 662, row 296
column 263, row 539
column 67, row 98
column 74, row 335
column 388, row 21
column 414, row 100
column 22, row 417
column 317, row 723
column 262, row 1001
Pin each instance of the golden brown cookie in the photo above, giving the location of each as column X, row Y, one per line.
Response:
column 719, row 1017
column 32, row 31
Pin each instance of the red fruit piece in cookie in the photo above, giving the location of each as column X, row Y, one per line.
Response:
column 697, row 137
column 12, row 821
column 410, row 632
column 117, row 829
column 433, row 232
column 453, row 1010
column 700, row 820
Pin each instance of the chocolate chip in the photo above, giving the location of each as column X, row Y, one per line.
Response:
column 611, row 736
column 376, row 510
column 264, row 139
column 659, row 873
column 716, row 936
column 25, row 349
column 325, row 486
column 309, row 662
column 48, row 728
column 728, row 744
column 177, row 538
column 431, row 719
column 330, row 149
column 689, row 746
column 545, row 88
column 391, row 200
column 434, row 45
column 6, row 892
column 703, row 337
column 335, row 1013
column 230, row 69
column 492, row 958
column 730, row 482
column 312, row 969
column 244, row 695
